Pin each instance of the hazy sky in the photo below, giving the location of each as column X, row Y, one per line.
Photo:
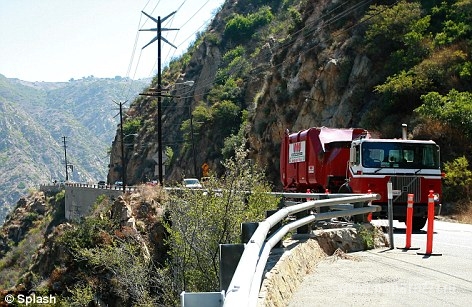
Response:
column 56, row 40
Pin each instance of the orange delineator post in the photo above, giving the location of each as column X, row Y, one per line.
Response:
column 409, row 220
column 429, row 235
column 409, row 223
column 369, row 215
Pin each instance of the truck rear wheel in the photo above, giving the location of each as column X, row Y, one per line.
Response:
column 418, row 222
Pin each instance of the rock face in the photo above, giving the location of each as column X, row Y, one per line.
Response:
column 319, row 80
column 21, row 219
column 40, row 250
column 313, row 75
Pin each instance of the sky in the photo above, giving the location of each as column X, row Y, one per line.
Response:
column 57, row 40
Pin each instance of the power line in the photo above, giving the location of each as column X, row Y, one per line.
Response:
column 133, row 53
column 309, row 28
column 159, row 38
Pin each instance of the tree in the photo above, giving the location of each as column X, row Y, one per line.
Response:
column 398, row 30
column 454, row 109
column 458, row 181
column 201, row 221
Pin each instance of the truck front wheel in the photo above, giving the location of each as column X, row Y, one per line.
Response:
column 345, row 189
column 418, row 222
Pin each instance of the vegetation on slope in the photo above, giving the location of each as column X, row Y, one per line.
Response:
column 141, row 249
column 421, row 53
column 421, row 75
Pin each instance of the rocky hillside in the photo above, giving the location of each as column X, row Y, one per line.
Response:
column 266, row 66
column 260, row 68
column 40, row 251
column 34, row 118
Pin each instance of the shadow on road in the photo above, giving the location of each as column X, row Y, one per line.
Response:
column 403, row 230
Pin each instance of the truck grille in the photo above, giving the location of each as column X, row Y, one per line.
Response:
column 407, row 185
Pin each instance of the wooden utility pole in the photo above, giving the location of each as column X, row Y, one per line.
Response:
column 123, row 159
column 65, row 158
column 158, row 93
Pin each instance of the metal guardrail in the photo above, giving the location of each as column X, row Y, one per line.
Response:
column 245, row 285
column 86, row 185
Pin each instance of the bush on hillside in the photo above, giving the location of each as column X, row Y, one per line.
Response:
column 201, row 221
column 458, row 183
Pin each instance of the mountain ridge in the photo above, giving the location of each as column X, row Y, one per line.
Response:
column 35, row 116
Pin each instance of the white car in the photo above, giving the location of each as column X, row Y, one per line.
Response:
column 192, row 183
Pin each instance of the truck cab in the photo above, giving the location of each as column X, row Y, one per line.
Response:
column 413, row 167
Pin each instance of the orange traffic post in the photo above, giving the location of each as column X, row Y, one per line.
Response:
column 429, row 235
column 409, row 223
column 369, row 215
column 308, row 191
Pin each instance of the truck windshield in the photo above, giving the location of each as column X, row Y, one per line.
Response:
column 400, row 155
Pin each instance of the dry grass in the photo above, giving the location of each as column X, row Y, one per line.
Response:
column 465, row 216
column 156, row 193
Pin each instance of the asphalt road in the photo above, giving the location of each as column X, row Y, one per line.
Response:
column 397, row 277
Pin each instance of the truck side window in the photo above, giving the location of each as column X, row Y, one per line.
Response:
column 357, row 156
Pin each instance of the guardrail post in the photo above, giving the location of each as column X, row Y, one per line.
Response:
column 247, row 230
column 305, row 228
column 325, row 196
column 230, row 254
column 362, row 218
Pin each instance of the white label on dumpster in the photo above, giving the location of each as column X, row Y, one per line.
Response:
column 296, row 152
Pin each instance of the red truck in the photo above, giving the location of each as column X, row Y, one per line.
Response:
column 351, row 161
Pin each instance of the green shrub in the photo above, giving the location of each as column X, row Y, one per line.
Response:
column 200, row 222
column 132, row 126
column 454, row 109
column 458, row 181
column 390, row 28
column 88, row 233
column 240, row 27
column 368, row 236
column 230, row 87
column 60, row 197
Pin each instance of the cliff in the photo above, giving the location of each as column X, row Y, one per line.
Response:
column 262, row 68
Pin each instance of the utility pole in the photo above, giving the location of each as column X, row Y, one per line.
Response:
column 123, row 160
column 65, row 157
column 193, row 144
column 158, row 38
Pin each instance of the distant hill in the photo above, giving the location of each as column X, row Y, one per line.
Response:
column 34, row 118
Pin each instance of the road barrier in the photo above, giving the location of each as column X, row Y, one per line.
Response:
column 245, row 283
